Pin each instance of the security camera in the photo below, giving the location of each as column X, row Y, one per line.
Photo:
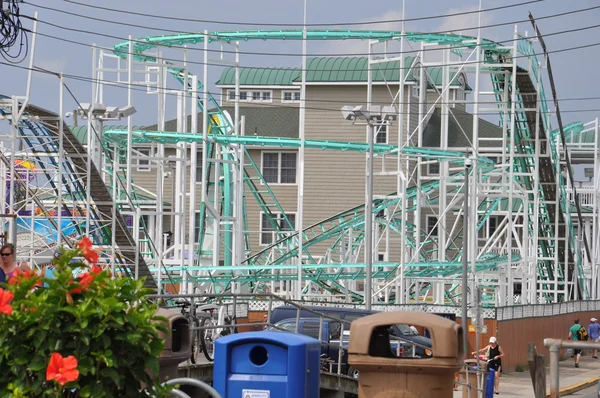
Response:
column 68, row 114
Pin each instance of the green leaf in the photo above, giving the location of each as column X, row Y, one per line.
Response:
column 38, row 363
column 109, row 372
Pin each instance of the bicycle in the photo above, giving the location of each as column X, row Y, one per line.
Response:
column 212, row 328
column 195, row 320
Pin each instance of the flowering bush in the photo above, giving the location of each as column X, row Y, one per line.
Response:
column 84, row 336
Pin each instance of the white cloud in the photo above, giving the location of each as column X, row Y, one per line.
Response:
column 361, row 47
column 464, row 24
column 56, row 65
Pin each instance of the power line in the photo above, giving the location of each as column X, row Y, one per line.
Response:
column 270, row 54
column 121, row 23
column 143, row 88
column 12, row 32
column 128, row 12
column 379, row 68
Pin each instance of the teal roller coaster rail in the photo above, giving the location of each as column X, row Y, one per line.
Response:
column 495, row 54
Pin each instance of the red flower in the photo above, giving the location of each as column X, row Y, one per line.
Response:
column 5, row 299
column 75, row 290
column 85, row 279
column 63, row 370
column 19, row 277
column 85, row 245
column 96, row 269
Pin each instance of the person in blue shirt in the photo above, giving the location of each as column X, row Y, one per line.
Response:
column 594, row 334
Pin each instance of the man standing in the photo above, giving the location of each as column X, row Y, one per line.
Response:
column 574, row 335
column 594, row 332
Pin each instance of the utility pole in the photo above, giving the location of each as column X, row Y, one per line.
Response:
column 465, row 259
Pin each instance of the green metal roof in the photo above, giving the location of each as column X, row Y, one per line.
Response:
column 331, row 70
column 261, row 76
column 353, row 69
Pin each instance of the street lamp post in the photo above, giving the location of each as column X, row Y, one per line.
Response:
column 99, row 113
column 375, row 116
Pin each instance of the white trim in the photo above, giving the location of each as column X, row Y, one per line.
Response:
column 250, row 87
column 437, row 227
column 387, row 134
column 249, row 95
column 429, row 172
column 279, row 183
column 199, row 162
column 141, row 153
column 293, row 100
column 354, row 83
column 260, row 227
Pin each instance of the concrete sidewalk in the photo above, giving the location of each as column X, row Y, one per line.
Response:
column 571, row 379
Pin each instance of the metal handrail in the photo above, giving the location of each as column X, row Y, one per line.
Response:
column 193, row 382
column 554, row 346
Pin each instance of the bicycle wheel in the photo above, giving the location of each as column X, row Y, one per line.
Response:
column 208, row 337
column 195, row 341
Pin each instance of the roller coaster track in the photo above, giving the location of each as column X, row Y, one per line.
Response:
column 494, row 52
column 43, row 123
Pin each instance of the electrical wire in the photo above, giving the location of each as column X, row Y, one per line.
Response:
column 12, row 32
column 154, row 28
column 378, row 68
column 128, row 12
column 270, row 54
column 143, row 87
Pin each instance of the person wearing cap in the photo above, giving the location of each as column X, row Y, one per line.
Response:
column 594, row 333
column 494, row 358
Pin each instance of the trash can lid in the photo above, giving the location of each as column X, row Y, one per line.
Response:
column 280, row 338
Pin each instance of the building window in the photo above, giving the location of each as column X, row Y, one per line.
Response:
column 290, row 96
column 279, row 167
column 433, row 169
column 432, row 228
column 143, row 160
column 268, row 234
column 415, row 90
column 199, row 167
column 251, row 96
column 382, row 134
column 493, row 223
column 197, row 227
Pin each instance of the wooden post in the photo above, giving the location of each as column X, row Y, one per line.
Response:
column 537, row 370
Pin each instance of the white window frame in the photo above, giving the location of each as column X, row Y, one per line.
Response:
column 415, row 90
column 262, row 162
column 199, row 169
column 273, row 237
column 293, row 94
column 143, row 165
column 435, row 230
column 496, row 220
column 433, row 173
column 249, row 94
column 383, row 129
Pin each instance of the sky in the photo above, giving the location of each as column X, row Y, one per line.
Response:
column 63, row 20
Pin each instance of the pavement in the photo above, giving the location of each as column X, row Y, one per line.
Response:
column 571, row 379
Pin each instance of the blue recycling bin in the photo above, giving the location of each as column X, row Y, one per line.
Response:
column 267, row 365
